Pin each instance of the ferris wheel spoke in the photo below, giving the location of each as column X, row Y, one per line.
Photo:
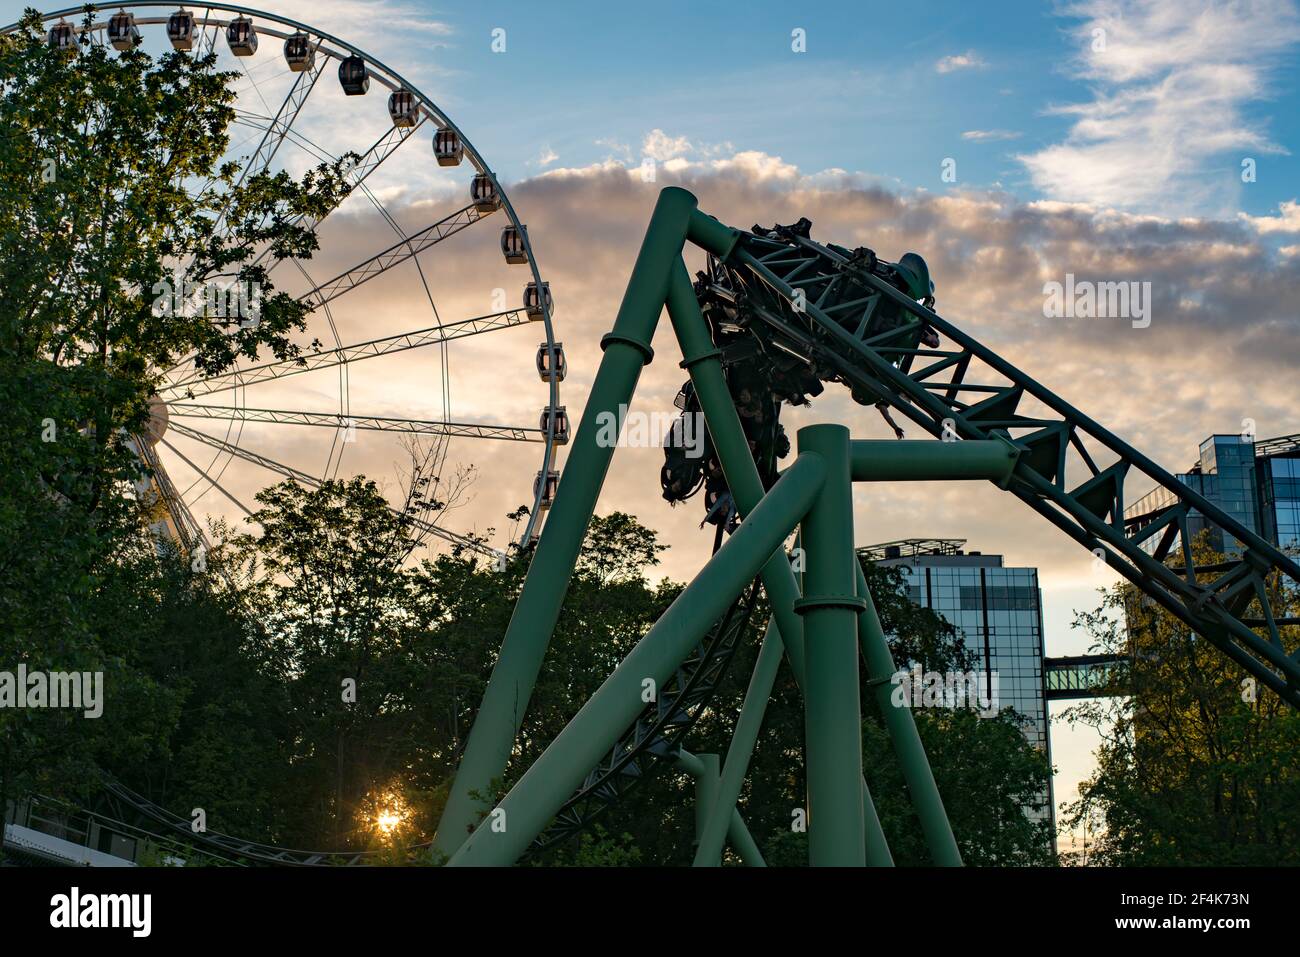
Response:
column 311, row 481
column 199, row 385
column 210, row 480
column 394, row 255
column 271, row 119
column 275, row 132
column 367, row 163
column 374, row 423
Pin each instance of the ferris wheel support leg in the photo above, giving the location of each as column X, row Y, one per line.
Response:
column 626, row 351
column 523, row 813
column 901, row 726
column 832, row 697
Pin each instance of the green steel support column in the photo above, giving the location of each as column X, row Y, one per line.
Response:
column 902, row 732
column 743, row 842
column 743, row 739
column 627, row 350
column 522, row 814
column 706, row 790
column 878, row 854
column 924, row 460
column 832, row 705
column 704, row 768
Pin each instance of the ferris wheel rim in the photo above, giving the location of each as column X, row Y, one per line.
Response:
column 394, row 81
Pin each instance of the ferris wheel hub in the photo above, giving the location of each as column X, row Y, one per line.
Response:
column 157, row 422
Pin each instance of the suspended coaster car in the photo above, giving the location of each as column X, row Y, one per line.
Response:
column 764, row 369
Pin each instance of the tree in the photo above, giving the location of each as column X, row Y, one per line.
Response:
column 97, row 207
column 99, row 157
column 1197, row 766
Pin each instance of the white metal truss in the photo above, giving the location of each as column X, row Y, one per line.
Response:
column 374, row 423
column 197, row 384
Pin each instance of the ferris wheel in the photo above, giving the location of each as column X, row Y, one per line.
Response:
column 419, row 329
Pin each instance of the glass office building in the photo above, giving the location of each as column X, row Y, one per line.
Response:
column 998, row 612
column 1256, row 482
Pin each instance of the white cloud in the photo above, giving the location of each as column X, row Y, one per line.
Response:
column 1287, row 220
column 547, row 156
column 1171, row 81
column 983, row 136
column 959, row 61
column 658, row 145
column 377, row 21
column 1221, row 296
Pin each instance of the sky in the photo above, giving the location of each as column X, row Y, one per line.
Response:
column 1143, row 141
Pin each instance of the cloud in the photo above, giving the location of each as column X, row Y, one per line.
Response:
column 959, row 61
column 618, row 151
column 1222, row 303
column 377, row 21
column 660, row 146
column 1170, row 85
column 1287, row 220
column 546, row 157
column 983, row 136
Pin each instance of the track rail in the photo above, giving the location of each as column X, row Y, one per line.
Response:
column 1071, row 470
column 656, row 737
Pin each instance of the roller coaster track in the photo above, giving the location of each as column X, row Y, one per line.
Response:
column 817, row 301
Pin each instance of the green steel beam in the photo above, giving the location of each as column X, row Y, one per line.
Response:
column 743, row 842
column 705, row 769
column 708, row 853
column 743, row 739
column 702, row 361
column 522, row 814
column 878, row 854
column 627, row 351
column 901, row 725
column 832, row 704
column 706, row 790
column 925, row 460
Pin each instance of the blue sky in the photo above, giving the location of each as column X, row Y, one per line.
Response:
column 890, row 92
column 882, row 90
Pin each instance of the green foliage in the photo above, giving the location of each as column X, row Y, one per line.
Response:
column 101, row 157
column 987, row 773
column 103, row 154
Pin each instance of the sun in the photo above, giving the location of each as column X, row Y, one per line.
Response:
column 386, row 812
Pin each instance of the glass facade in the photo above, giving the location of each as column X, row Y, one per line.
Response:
column 1280, row 497
column 1258, row 484
column 998, row 613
